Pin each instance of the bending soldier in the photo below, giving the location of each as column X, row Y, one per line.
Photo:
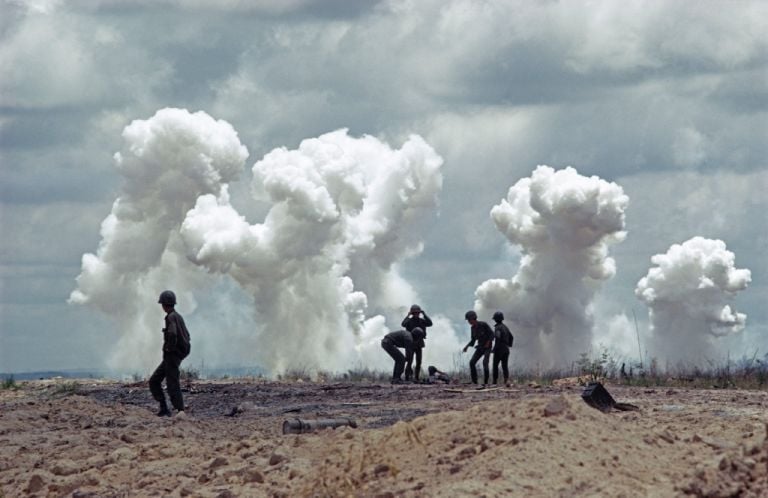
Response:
column 416, row 318
column 501, row 347
column 483, row 335
column 401, row 339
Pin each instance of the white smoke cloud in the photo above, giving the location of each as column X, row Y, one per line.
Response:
column 320, row 271
column 563, row 223
column 344, row 211
column 687, row 293
column 168, row 161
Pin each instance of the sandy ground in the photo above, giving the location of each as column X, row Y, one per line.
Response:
column 102, row 439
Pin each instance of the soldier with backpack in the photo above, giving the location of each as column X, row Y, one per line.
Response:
column 501, row 348
column 176, row 347
column 483, row 335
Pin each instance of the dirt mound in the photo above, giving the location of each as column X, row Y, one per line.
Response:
column 743, row 474
column 548, row 446
column 516, row 442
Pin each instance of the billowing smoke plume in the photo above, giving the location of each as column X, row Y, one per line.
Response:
column 563, row 223
column 167, row 162
column 320, row 270
column 687, row 292
column 344, row 212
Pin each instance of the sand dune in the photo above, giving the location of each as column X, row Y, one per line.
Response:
column 102, row 439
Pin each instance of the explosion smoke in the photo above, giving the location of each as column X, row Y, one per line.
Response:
column 344, row 211
column 686, row 293
column 563, row 223
column 167, row 162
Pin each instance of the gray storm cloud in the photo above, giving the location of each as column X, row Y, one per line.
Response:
column 320, row 270
column 687, row 293
column 563, row 224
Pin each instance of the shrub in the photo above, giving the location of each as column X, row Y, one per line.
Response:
column 10, row 383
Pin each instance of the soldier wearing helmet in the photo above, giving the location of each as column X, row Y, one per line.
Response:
column 416, row 318
column 176, row 347
column 401, row 339
column 481, row 334
column 501, row 348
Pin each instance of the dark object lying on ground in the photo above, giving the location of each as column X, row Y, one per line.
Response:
column 300, row 426
column 597, row 396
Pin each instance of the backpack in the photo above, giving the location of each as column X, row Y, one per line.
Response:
column 504, row 335
column 183, row 342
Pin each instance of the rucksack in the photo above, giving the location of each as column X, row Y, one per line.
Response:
column 184, row 344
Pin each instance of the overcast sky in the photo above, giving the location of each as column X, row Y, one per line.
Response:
column 669, row 100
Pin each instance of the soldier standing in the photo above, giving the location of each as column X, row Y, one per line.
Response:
column 416, row 318
column 401, row 339
column 483, row 335
column 176, row 347
column 501, row 347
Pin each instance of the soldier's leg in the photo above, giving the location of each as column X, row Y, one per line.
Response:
column 172, row 363
column 417, row 367
column 396, row 355
column 156, row 386
column 505, row 366
column 472, row 362
column 486, row 370
column 495, row 362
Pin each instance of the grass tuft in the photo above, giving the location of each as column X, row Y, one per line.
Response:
column 10, row 383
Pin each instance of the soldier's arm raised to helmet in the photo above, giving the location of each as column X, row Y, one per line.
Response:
column 404, row 323
column 427, row 320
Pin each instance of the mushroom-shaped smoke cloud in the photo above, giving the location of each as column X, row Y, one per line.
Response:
column 344, row 212
column 687, row 293
column 167, row 162
column 563, row 223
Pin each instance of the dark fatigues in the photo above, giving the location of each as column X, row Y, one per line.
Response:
column 391, row 342
column 501, row 351
column 410, row 322
column 482, row 333
column 175, row 348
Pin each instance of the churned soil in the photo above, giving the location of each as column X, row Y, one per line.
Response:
column 102, row 439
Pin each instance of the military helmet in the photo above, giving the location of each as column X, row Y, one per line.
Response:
column 167, row 298
column 498, row 316
column 415, row 307
column 418, row 333
column 470, row 315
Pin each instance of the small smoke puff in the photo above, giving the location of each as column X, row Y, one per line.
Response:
column 564, row 223
column 687, row 292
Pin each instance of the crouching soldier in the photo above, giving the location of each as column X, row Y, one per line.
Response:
column 401, row 339
column 176, row 347
column 436, row 376
column 482, row 334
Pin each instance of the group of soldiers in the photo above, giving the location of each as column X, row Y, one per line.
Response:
column 486, row 341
